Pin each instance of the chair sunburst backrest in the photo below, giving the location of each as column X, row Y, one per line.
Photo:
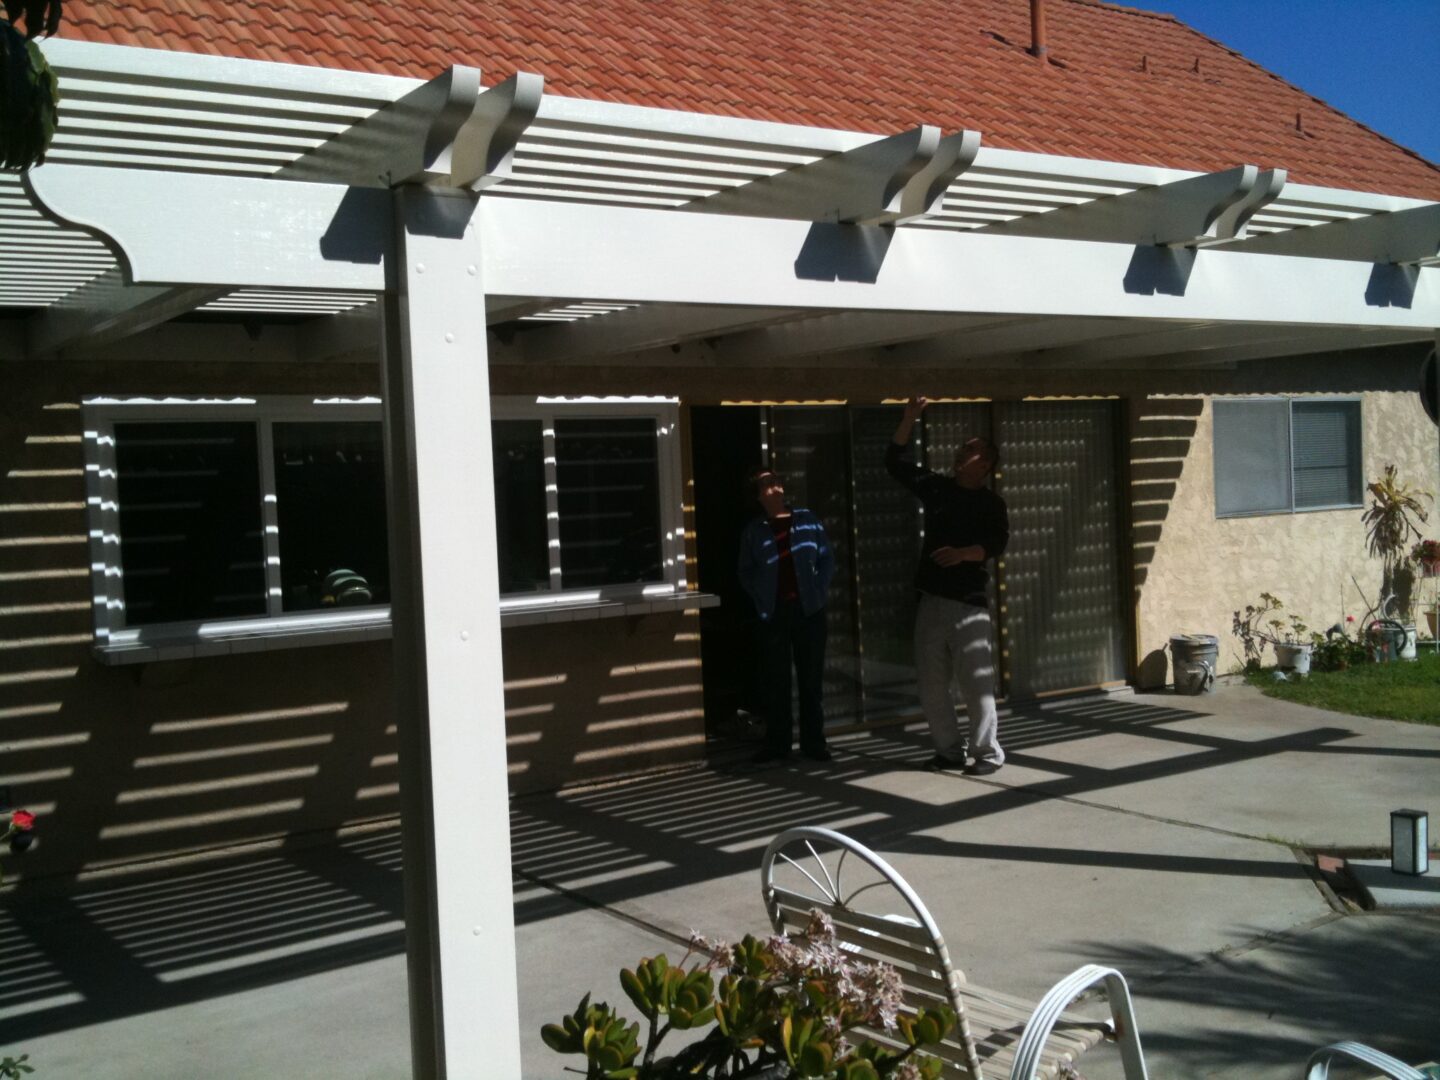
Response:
column 876, row 914
column 878, row 917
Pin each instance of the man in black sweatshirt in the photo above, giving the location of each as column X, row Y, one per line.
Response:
column 965, row 524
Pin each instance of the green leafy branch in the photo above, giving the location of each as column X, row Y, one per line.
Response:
column 29, row 91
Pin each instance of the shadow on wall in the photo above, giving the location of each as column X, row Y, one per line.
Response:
column 602, row 698
column 1161, row 430
column 127, row 764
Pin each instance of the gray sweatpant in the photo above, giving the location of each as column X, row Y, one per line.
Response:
column 952, row 642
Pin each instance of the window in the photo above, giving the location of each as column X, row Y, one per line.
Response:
column 215, row 518
column 1280, row 455
column 587, row 500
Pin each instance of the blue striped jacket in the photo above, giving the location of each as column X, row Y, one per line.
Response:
column 759, row 571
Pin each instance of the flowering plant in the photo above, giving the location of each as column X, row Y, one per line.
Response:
column 784, row 1008
column 1249, row 626
column 1426, row 551
column 20, row 831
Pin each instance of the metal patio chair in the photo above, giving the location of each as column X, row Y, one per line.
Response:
column 1318, row 1067
column 879, row 917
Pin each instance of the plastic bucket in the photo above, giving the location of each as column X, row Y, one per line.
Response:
column 1194, row 657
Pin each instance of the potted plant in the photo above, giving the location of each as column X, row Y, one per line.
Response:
column 29, row 93
column 1426, row 555
column 1289, row 637
column 1292, row 645
column 1390, row 526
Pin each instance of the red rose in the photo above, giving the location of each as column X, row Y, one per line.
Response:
column 23, row 820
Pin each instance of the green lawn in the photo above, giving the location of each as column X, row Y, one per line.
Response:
column 1400, row 690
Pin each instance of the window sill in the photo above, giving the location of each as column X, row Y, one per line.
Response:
column 252, row 639
column 560, row 612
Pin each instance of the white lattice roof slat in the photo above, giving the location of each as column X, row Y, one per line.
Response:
column 520, row 187
column 186, row 113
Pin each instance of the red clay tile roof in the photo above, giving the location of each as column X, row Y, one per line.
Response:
column 1121, row 84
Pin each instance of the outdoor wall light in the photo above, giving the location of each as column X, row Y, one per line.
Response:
column 1409, row 841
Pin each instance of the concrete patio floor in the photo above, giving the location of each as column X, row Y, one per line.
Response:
column 1152, row 833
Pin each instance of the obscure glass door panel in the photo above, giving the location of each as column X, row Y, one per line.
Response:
column 1062, row 610
column 725, row 450
column 809, row 448
column 886, row 544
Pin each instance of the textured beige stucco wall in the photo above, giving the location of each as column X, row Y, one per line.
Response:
column 133, row 763
column 611, row 697
column 1194, row 569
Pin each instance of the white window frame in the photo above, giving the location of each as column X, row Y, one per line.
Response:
column 1290, row 401
column 118, row 642
column 666, row 414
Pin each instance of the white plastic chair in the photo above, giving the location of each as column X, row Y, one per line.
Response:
column 879, row 917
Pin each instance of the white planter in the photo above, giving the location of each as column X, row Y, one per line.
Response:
column 1294, row 658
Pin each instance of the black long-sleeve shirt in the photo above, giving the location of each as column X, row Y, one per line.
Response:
column 955, row 516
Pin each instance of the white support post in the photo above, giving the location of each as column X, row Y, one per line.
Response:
column 464, row 1012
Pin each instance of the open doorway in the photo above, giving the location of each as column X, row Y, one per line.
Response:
column 1058, row 593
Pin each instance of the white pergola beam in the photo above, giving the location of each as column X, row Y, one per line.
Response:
column 500, row 309
column 346, row 334
column 105, row 310
column 885, row 182
column 320, row 236
column 554, row 249
column 844, row 331
column 636, row 330
column 1404, row 237
column 240, row 232
column 1144, row 343
column 1001, row 340
column 1302, row 343
column 1193, row 212
column 448, row 132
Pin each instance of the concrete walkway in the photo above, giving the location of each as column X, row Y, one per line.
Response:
column 1147, row 832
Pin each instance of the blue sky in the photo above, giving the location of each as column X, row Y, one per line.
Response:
column 1377, row 60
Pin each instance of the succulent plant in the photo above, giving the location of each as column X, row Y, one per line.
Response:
column 784, row 1009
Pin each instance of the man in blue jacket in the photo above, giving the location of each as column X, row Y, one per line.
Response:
column 966, row 524
column 785, row 568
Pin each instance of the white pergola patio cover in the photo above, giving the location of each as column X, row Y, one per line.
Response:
column 797, row 237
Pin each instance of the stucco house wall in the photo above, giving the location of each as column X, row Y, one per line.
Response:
column 1201, row 568
column 124, row 764
column 138, row 762
column 1192, row 570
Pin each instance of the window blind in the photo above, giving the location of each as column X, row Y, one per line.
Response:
column 1326, row 438
column 1252, row 457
